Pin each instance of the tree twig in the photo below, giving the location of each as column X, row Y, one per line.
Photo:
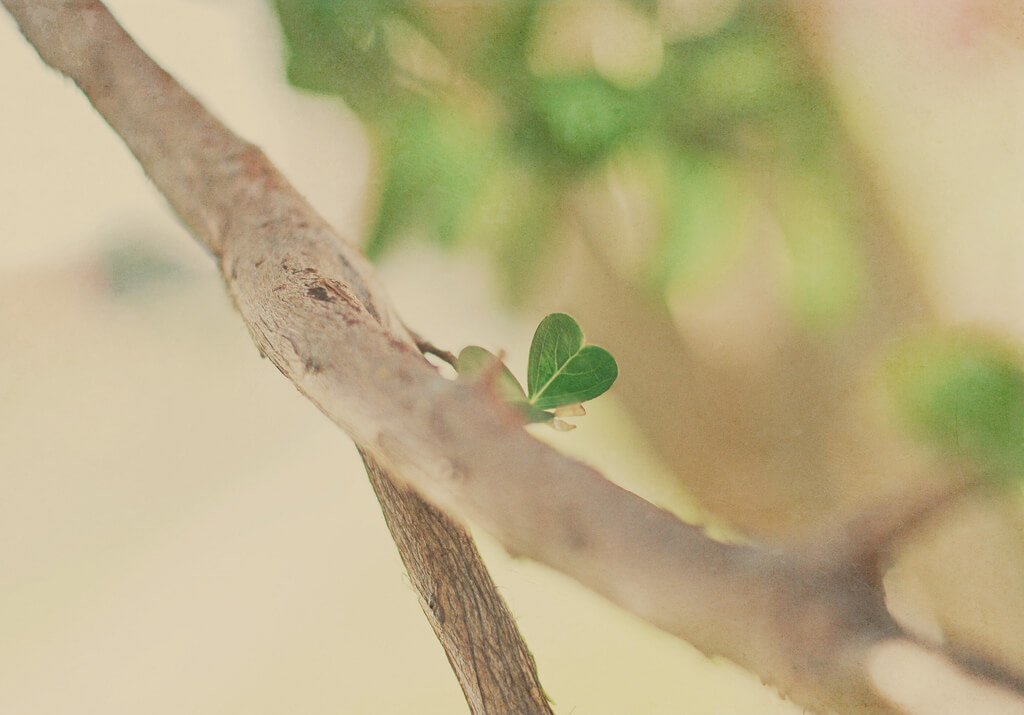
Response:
column 428, row 348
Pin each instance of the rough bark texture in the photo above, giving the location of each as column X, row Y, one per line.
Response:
column 484, row 647
column 810, row 626
column 458, row 597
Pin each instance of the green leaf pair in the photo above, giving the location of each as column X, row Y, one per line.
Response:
column 562, row 372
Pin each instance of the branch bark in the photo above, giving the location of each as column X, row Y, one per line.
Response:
column 484, row 647
column 176, row 140
column 313, row 306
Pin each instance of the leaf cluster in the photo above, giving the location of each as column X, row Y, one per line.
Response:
column 479, row 144
column 562, row 372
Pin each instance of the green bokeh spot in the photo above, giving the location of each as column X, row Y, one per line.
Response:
column 584, row 117
column 966, row 397
column 338, row 47
column 706, row 214
column 437, row 166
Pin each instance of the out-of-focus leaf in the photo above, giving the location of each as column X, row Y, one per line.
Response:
column 437, row 168
column 338, row 47
column 743, row 88
column 513, row 219
column 826, row 280
column 617, row 42
column 500, row 58
column 579, row 119
column 741, row 78
column 707, row 206
column 964, row 395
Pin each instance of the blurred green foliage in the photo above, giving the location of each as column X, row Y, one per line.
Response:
column 491, row 119
column 482, row 137
column 437, row 166
column 577, row 120
column 964, row 395
column 336, row 47
column 706, row 197
column 827, row 269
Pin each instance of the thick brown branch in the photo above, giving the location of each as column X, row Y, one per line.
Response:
column 458, row 597
column 313, row 306
column 208, row 174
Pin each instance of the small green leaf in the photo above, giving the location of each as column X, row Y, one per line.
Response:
column 562, row 370
column 475, row 363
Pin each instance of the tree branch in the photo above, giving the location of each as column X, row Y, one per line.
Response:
column 314, row 307
column 485, row 649
column 188, row 153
